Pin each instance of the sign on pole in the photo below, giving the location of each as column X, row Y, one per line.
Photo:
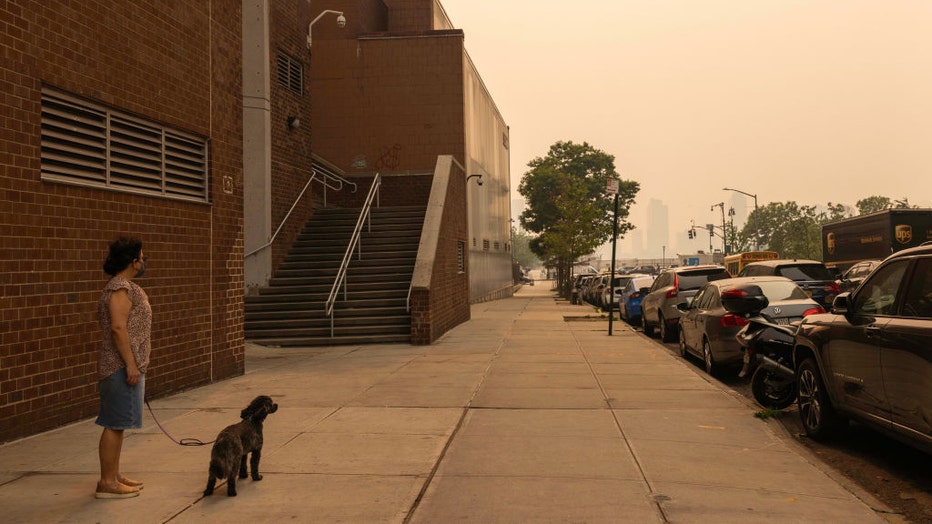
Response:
column 611, row 186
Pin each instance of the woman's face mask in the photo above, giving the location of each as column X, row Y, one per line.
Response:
column 142, row 269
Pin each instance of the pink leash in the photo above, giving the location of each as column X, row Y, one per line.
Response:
column 182, row 442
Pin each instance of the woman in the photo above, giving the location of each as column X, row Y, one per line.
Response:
column 126, row 321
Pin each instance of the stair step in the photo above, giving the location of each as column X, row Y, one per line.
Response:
column 290, row 310
column 297, row 277
column 282, row 286
column 390, row 321
column 333, row 341
column 324, row 331
column 340, row 312
column 300, row 303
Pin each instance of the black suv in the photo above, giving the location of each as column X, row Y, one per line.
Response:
column 815, row 279
column 871, row 359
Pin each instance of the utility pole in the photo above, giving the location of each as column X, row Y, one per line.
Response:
column 613, row 186
column 721, row 205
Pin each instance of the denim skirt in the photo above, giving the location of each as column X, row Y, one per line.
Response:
column 120, row 403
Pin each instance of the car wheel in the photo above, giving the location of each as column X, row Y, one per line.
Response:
column 667, row 329
column 819, row 418
column 771, row 390
column 648, row 330
column 710, row 366
column 682, row 343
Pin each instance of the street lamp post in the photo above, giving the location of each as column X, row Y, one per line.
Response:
column 756, row 237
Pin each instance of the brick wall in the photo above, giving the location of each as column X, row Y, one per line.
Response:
column 291, row 147
column 392, row 104
column 173, row 62
column 444, row 301
column 410, row 15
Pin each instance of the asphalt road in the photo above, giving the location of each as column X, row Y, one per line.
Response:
column 894, row 473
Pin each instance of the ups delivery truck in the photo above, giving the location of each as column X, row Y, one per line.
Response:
column 876, row 235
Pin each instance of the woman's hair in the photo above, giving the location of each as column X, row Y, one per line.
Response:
column 122, row 253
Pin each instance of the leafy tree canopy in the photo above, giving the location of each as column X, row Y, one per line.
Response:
column 794, row 230
column 568, row 207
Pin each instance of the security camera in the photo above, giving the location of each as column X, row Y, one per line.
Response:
column 479, row 181
column 341, row 21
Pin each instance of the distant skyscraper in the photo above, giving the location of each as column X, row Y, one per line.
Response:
column 657, row 230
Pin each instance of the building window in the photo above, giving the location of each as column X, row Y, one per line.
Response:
column 485, row 245
column 460, row 256
column 290, row 74
column 92, row 145
column 497, row 245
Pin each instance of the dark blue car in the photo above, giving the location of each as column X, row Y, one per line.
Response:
column 629, row 305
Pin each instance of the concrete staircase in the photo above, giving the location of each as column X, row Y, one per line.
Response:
column 291, row 310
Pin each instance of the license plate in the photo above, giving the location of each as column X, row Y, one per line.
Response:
column 782, row 321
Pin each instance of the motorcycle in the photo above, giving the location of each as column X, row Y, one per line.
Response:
column 768, row 351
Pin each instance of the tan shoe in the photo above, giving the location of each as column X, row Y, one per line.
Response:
column 123, row 492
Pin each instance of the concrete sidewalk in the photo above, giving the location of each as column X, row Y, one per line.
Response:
column 514, row 416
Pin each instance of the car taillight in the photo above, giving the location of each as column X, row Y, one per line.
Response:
column 734, row 293
column 634, row 296
column 675, row 292
column 730, row 320
column 832, row 288
column 813, row 311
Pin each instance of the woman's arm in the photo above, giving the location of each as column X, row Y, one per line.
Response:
column 120, row 306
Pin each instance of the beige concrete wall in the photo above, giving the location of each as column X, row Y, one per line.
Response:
column 489, row 205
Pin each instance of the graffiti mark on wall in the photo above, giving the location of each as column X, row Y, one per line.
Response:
column 390, row 158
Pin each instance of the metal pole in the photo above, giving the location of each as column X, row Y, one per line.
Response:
column 611, row 279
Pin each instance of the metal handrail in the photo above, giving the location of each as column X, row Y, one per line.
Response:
column 364, row 218
column 328, row 177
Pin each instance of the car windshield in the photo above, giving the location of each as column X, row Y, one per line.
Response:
column 697, row 279
column 805, row 272
column 621, row 281
column 776, row 291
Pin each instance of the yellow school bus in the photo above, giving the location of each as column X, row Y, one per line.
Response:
column 734, row 263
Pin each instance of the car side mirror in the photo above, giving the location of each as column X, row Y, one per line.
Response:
column 683, row 306
column 842, row 304
column 744, row 300
column 644, row 291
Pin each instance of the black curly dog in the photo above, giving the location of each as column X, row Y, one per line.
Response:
column 233, row 444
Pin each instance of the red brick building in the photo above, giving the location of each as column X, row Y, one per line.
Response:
column 119, row 118
column 393, row 90
column 191, row 125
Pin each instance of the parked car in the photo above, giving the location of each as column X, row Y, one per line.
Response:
column 646, row 270
column 811, row 275
column 614, row 288
column 708, row 331
column 629, row 305
column 871, row 358
column 674, row 286
column 856, row 274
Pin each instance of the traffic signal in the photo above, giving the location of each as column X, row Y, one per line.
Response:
column 691, row 233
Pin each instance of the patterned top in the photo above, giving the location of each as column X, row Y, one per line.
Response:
column 139, row 327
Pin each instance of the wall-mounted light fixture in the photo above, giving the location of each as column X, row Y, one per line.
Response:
column 478, row 179
column 294, row 122
column 341, row 23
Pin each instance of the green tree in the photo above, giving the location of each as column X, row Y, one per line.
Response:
column 792, row 230
column 522, row 249
column 787, row 228
column 873, row 204
column 567, row 205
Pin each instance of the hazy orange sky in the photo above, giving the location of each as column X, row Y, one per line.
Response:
column 805, row 100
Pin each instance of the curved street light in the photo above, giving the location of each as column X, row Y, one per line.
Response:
column 757, row 239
